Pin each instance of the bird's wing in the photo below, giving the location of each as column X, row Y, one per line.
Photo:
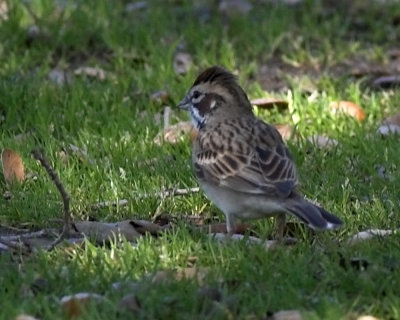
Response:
column 245, row 155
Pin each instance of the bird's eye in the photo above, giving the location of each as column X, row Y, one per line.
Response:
column 196, row 94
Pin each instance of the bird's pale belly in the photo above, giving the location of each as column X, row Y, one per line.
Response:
column 242, row 205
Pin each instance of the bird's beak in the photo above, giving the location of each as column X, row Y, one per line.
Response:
column 184, row 104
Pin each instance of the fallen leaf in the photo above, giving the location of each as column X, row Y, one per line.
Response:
column 63, row 155
column 73, row 305
column 234, row 7
column 159, row 96
column 182, row 62
column 367, row 318
column 196, row 273
column 221, row 228
column 269, row 103
column 348, row 108
column 287, row 315
column 287, row 131
column 369, row 234
column 93, row 72
column 323, row 142
column 3, row 10
column 25, row 317
column 13, row 168
column 174, row 133
column 104, row 232
column 130, row 303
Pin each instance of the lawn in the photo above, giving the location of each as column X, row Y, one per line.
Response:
column 97, row 127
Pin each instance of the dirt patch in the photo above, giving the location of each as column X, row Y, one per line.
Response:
column 277, row 75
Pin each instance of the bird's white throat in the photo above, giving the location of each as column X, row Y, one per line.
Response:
column 197, row 120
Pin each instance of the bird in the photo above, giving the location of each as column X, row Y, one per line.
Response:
column 241, row 162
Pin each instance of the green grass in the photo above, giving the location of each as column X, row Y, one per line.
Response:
column 107, row 120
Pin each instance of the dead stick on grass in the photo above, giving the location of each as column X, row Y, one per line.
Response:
column 14, row 245
column 38, row 155
column 167, row 117
column 170, row 193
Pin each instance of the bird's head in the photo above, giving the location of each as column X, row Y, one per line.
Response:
column 215, row 94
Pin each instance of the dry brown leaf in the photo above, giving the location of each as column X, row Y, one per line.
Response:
column 348, row 108
column 287, row 131
column 369, row 234
column 73, row 305
column 13, row 168
column 3, row 10
column 221, row 228
column 174, row 133
column 323, row 142
column 159, row 96
column 129, row 229
column 25, row 317
column 196, row 273
column 367, row 318
column 287, row 315
column 182, row 62
column 269, row 103
column 93, row 72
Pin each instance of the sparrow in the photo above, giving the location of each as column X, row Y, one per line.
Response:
column 241, row 162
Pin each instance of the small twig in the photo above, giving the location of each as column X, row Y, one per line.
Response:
column 38, row 155
column 100, row 205
column 11, row 228
column 170, row 193
column 167, row 116
column 13, row 245
column 30, row 235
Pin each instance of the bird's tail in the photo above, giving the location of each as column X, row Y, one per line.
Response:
column 315, row 217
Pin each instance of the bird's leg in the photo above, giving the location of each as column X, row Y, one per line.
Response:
column 281, row 224
column 230, row 224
